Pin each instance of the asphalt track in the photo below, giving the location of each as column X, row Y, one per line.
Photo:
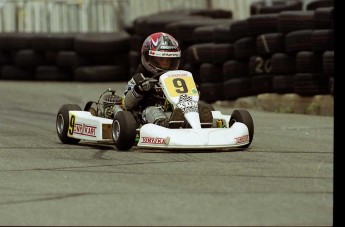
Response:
column 284, row 178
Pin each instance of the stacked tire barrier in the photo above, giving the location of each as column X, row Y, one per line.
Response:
column 284, row 52
column 281, row 48
column 89, row 57
column 286, row 47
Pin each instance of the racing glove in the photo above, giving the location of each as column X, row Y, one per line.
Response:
column 145, row 85
column 141, row 86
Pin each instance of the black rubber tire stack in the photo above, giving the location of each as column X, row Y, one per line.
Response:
column 286, row 47
column 89, row 57
column 105, row 54
column 10, row 45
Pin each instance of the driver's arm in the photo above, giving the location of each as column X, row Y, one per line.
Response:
column 138, row 86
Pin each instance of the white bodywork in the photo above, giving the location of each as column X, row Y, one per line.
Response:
column 152, row 135
column 83, row 125
column 174, row 83
column 97, row 129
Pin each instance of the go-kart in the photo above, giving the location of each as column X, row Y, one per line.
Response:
column 107, row 121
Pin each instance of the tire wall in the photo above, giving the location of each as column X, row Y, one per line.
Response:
column 286, row 47
column 89, row 57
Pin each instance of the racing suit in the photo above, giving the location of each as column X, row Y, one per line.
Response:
column 137, row 97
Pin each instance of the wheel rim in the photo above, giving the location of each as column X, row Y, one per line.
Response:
column 116, row 130
column 60, row 123
column 93, row 111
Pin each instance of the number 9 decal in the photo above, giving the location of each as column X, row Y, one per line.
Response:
column 181, row 85
column 71, row 125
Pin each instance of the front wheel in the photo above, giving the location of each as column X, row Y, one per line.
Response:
column 124, row 130
column 62, row 123
column 244, row 117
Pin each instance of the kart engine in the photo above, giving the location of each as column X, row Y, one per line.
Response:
column 110, row 103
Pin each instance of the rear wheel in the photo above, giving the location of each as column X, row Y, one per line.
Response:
column 244, row 117
column 91, row 106
column 63, row 121
column 124, row 130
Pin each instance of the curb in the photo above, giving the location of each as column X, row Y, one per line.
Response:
column 322, row 105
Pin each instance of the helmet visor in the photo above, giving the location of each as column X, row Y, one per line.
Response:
column 165, row 63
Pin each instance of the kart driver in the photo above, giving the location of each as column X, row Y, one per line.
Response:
column 160, row 52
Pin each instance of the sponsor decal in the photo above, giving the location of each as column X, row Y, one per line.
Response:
column 177, row 75
column 242, row 139
column 170, row 55
column 168, row 48
column 187, row 104
column 85, row 130
column 153, row 140
column 163, row 54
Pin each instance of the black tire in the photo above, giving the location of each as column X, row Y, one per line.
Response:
column 298, row 41
column 235, row 69
column 289, row 21
column 29, row 58
column 96, row 43
column 310, row 84
column 283, row 84
column 52, row 73
column 237, row 87
column 259, row 65
column 200, row 53
column 101, row 73
column 313, row 5
column 211, row 92
column 91, row 106
column 3, row 58
column 69, row 59
column 195, row 70
column 124, row 130
column 11, row 72
column 185, row 28
column 262, row 84
column 262, row 24
column 203, row 34
column 210, row 73
column 213, row 13
column 221, row 52
column 283, row 63
column 15, row 40
column 308, row 62
column 244, row 117
column 222, row 34
column 62, row 123
column 53, row 41
column 239, row 29
column 245, row 48
column 324, row 17
column 322, row 40
column 271, row 43
column 134, row 59
column 260, row 7
column 205, row 106
column 328, row 63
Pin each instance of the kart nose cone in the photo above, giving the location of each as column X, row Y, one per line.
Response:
column 152, row 135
